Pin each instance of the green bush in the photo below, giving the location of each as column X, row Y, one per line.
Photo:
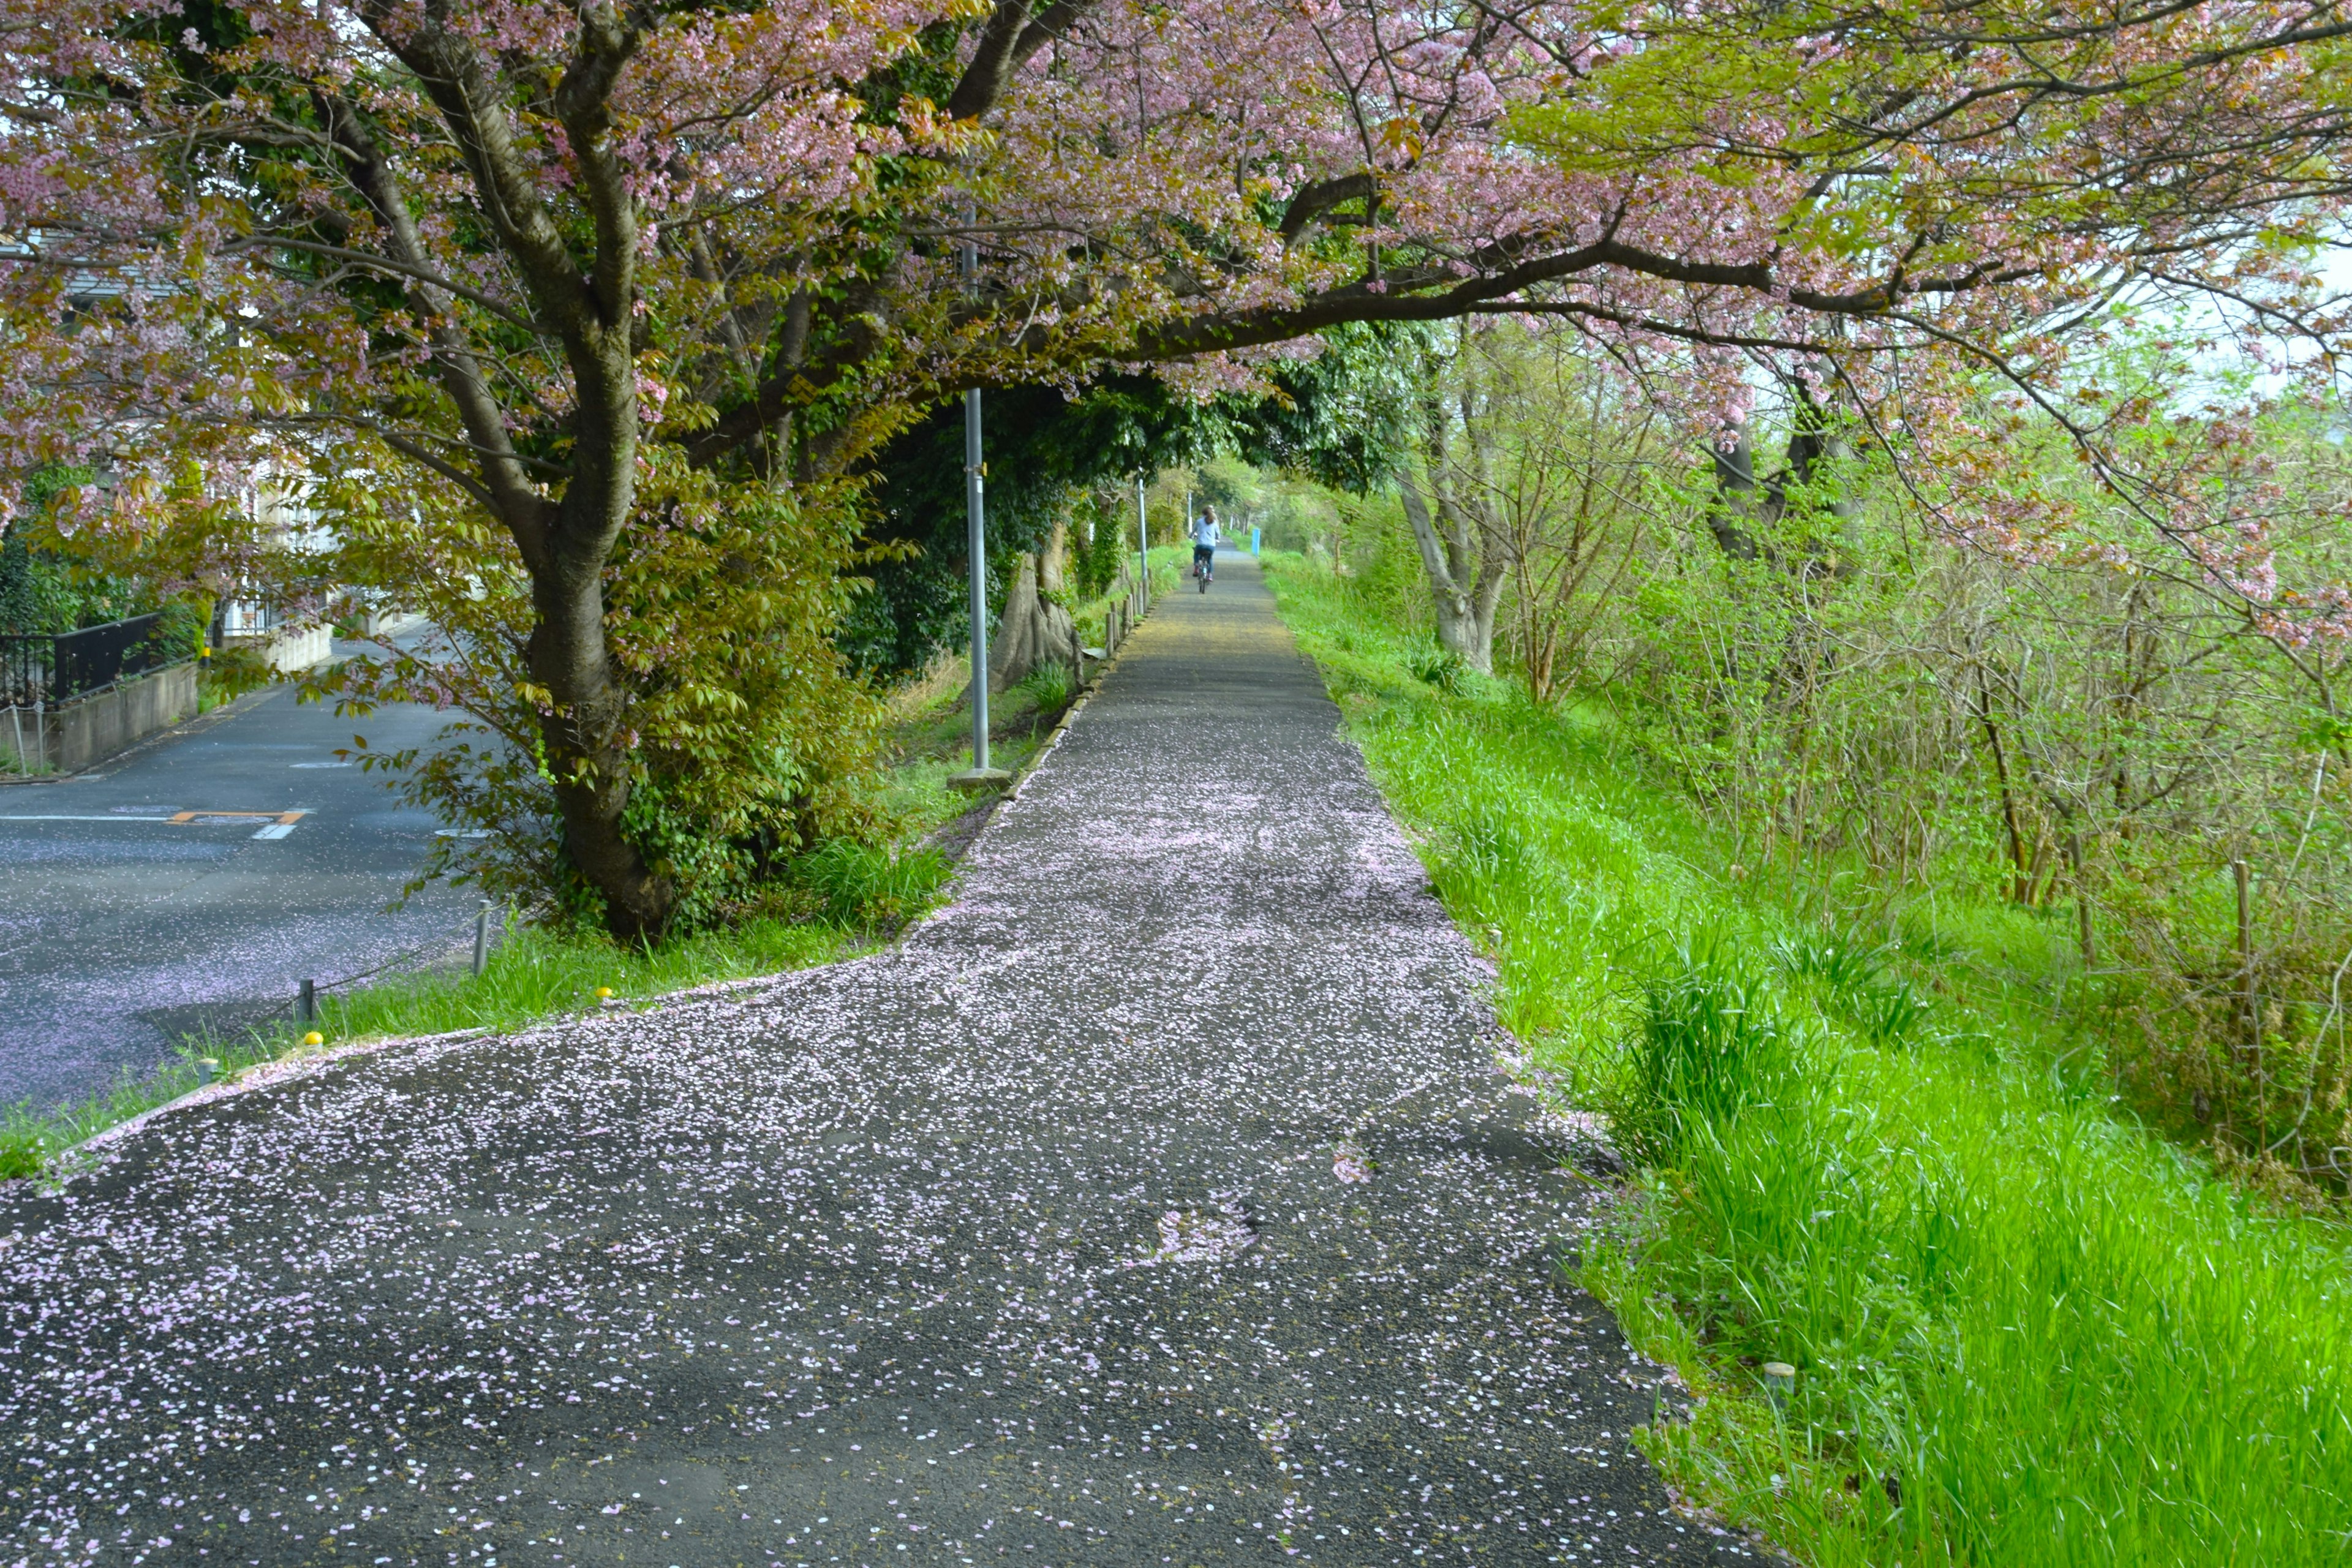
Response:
column 1049, row 687
column 21, row 1153
column 232, row 671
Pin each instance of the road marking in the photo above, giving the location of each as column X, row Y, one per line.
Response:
column 322, row 765
column 277, row 824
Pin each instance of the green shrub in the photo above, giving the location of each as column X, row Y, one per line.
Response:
column 232, row 671
column 21, row 1153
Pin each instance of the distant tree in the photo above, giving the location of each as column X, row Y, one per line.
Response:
column 1335, row 416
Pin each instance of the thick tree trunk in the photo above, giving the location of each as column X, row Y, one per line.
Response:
column 1465, row 565
column 1033, row 632
column 1053, row 562
column 592, row 309
column 588, row 755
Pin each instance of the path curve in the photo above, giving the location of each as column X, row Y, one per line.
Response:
column 1158, row 1202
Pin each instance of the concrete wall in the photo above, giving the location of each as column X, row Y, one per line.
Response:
column 289, row 653
column 89, row 729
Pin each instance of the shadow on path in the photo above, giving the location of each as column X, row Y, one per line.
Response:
column 1158, row 1202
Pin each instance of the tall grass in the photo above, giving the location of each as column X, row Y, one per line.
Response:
column 2026, row 1332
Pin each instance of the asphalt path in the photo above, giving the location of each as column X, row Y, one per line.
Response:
column 1159, row 1201
column 122, row 930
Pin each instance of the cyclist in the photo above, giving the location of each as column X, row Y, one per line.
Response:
column 1205, row 539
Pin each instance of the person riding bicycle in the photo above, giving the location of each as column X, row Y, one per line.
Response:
column 1205, row 539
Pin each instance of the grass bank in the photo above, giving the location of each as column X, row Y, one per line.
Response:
column 2025, row 1332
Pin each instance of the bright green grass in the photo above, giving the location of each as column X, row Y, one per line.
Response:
column 2026, row 1333
column 534, row 975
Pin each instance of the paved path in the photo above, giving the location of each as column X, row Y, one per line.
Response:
column 1157, row 1204
column 120, row 932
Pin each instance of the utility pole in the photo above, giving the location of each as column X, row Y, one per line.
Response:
column 980, row 775
column 1143, row 541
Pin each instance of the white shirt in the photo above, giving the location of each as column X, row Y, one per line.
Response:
column 1205, row 531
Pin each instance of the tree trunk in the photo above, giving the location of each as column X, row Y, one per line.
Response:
column 1053, row 562
column 1033, row 632
column 1465, row 565
column 564, row 543
column 588, row 755
column 1463, row 549
column 1819, row 468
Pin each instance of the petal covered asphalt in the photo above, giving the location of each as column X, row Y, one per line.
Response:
column 1157, row 1203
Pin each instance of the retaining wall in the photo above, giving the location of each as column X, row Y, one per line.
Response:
column 89, row 729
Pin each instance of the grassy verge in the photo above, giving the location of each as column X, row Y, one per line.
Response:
column 2025, row 1332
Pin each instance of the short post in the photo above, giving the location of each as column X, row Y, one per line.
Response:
column 207, row 1070
column 482, row 937
column 1780, row 1382
column 1254, row 539
column 1110, row 631
column 306, row 1003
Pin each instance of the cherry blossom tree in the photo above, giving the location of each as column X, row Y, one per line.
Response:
column 587, row 277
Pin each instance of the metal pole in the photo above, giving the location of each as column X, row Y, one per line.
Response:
column 976, row 542
column 482, row 937
column 1142, row 538
column 306, row 1003
column 980, row 775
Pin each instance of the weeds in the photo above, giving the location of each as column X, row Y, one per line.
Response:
column 1858, row 982
column 1711, row 1043
column 857, row 885
column 1050, row 689
column 1440, row 667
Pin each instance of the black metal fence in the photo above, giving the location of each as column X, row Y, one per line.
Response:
column 72, row 664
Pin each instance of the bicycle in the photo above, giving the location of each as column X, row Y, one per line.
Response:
column 1202, row 572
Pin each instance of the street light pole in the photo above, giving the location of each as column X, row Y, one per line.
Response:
column 976, row 542
column 980, row 775
column 1143, row 541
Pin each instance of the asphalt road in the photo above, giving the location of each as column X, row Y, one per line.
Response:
column 121, row 930
column 1160, row 1204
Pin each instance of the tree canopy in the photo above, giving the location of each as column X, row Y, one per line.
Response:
column 590, row 271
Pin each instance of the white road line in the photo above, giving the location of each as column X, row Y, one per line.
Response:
column 275, row 830
column 63, row 819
